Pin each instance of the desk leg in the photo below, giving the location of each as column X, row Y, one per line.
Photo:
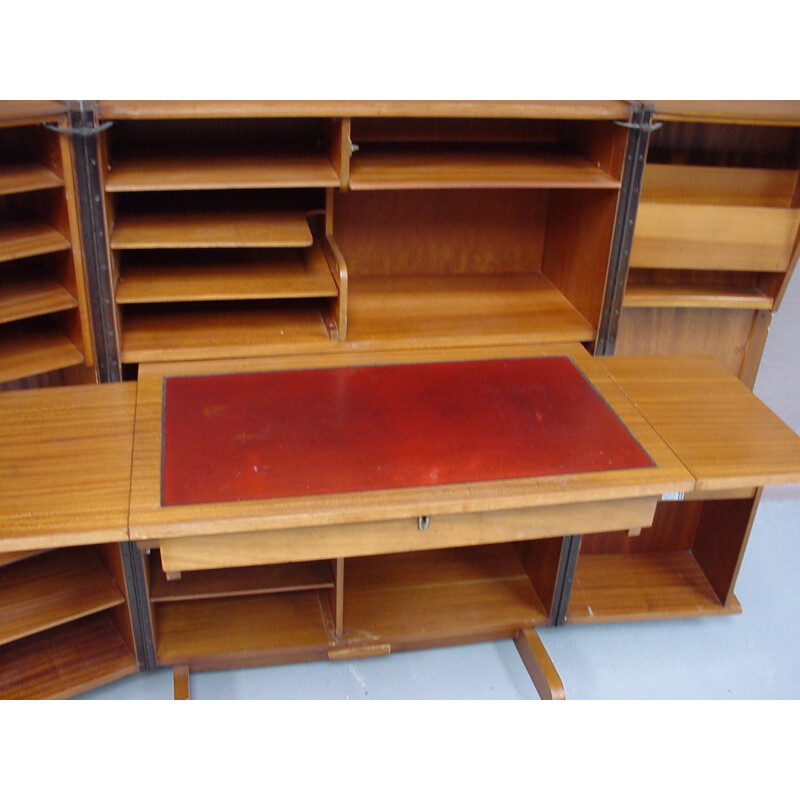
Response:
column 180, row 682
column 541, row 669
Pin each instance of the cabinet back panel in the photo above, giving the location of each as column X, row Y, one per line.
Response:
column 435, row 232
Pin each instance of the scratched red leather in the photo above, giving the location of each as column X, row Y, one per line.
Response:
column 321, row 431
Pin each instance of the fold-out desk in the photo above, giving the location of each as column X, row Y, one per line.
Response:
column 430, row 491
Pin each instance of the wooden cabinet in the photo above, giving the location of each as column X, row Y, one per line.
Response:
column 393, row 432
column 717, row 232
column 65, row 603
column 44, row 308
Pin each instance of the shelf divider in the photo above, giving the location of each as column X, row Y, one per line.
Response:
column 436, row 168
column 234, row 171
column 33, row 296
column 211, row 229
column 32, row 350
column 29, row 238
column 250, row 275
column 31, row 177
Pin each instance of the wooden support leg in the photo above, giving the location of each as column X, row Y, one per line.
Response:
column 180, row 682
column 541, row 669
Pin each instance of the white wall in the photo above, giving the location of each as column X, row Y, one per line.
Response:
column 778, row 381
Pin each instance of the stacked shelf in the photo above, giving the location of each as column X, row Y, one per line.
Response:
column 60, row 603
column 715, row 241
column 218, row 236
column 43, row 304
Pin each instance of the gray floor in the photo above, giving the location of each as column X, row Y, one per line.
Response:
column 755, row 655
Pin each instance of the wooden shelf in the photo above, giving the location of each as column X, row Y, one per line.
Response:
column 23, row 239
column 686, row 236
column 17, row 178
column 164, row 332
column 239, row 582
column 232, row 229
column 642, row 586
column 54, row 588
column 462, row 309
column 261, row 629
column 30, row 350
column 432, row 168
column 694, row 297
column 65, row 661
column 234, row 171
column 730, row 186
column 243, row 275
column 31, row 297
column 464, row 593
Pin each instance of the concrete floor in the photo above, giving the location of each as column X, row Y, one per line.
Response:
column 755, row 655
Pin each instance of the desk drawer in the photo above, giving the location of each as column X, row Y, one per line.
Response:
column 447, row 530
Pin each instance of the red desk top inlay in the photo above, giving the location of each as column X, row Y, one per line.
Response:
column 264, row 435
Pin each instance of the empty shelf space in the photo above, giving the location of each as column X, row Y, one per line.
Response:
column 430, row 167
column 211, row 229
column 655, row 296
column 165, row 332
column 29, row 238
column 438, row 596
column 238, row 275
column 31, row 350
column 65, row 661
column 238, row 582
column 22, row 297
column 27, row 177
column 462, row 309
column 271, row 628
column 58, row 587
column 612, row 587
column 160, row 172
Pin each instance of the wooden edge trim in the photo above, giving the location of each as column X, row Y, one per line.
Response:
column 362, row 651
column 180, row 683
column 540, row 667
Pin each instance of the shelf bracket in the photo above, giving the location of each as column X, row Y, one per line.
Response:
column 646, row 127
column 79, row 130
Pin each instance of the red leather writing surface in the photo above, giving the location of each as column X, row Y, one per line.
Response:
column 347, row 429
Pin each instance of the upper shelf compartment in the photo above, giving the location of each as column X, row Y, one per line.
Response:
column 482, row 153
column 177, row 155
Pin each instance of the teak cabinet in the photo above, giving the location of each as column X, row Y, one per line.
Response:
column 406, row 311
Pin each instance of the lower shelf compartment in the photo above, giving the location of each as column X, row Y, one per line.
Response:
column 204, row 584
column 220, row 330
column 32, row 348
column 48, row 590
column 421, row 599
column 65, row 661
column 260, row 629
column 639, row 586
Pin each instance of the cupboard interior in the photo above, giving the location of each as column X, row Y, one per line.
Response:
column 280, row 613
column 684, row 564
column 65, row 624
